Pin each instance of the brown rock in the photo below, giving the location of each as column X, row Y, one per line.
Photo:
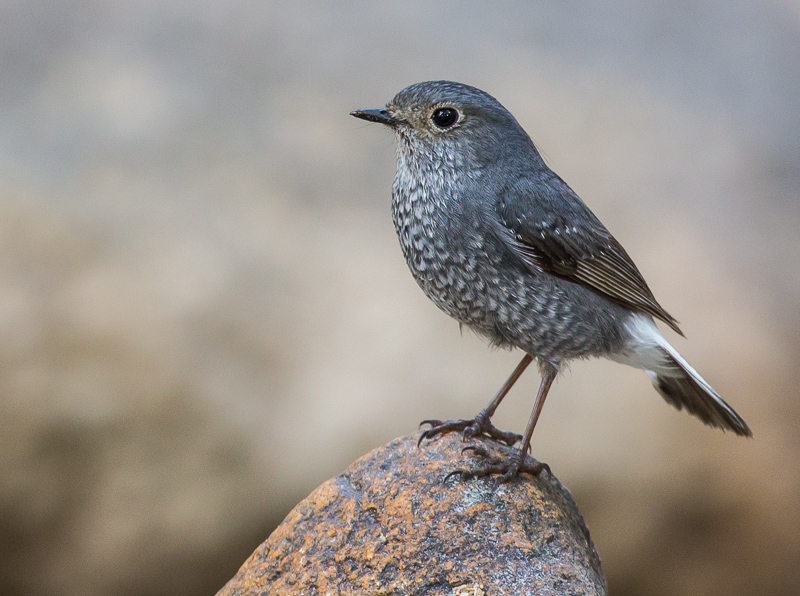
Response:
column 389, row 525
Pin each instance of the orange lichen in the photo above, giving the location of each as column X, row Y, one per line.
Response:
column 389, row 525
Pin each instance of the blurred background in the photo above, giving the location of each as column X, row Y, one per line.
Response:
column 204, row 311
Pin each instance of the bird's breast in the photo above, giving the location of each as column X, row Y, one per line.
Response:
column 442, row 249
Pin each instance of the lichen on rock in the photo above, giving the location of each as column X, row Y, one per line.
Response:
column 390, row 525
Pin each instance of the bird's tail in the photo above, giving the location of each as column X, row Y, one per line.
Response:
column 677, row 382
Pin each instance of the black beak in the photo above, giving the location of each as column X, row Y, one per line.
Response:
column 379, row 115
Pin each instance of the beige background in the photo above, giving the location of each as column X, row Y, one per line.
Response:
column 204, row 312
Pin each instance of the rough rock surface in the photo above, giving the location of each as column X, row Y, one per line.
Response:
column 390, row 525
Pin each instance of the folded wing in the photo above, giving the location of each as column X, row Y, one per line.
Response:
column 570, row 242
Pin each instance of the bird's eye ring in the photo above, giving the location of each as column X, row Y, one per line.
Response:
column 444, row 117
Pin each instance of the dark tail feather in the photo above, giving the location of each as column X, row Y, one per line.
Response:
column 684, row 388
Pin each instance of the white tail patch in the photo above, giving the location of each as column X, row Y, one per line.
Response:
column 649, row 350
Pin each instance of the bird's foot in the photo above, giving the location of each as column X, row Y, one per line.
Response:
column 508, row 469
column 480, row 426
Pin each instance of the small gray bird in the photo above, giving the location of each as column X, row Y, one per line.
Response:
column 501, row 244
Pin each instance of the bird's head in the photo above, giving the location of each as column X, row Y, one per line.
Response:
column 437, row 114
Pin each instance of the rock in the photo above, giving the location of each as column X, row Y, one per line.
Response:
column 390, row 525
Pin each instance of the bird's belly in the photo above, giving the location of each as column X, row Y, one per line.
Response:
column 512, row 308
column 451, row 281
column 462, row 282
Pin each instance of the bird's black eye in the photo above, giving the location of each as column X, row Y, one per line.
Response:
column 444, row 117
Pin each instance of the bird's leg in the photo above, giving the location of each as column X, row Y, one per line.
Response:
column 519, row 461
column 481, row 425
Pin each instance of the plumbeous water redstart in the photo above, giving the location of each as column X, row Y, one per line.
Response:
column 501, row 244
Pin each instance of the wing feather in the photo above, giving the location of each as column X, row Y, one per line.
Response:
column 570, row 242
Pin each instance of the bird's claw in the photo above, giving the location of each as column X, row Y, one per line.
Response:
column 507, row 469
column 476, row 427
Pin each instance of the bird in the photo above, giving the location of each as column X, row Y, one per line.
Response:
column 502, row 244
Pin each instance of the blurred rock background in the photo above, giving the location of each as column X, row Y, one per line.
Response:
column 204, row 312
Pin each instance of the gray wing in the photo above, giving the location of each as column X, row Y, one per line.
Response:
column 552, row 230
